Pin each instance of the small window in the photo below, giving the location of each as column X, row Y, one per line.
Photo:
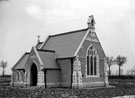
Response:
column 17, row 76
column 21, row 76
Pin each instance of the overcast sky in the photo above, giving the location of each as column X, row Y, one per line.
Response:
column 22, row 20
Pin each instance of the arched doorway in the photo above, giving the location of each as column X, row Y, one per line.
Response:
column 33, row 75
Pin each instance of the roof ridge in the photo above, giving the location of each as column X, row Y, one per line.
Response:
column 44, row 42
column 67, row 32
column 38, row 43
column 44, row 50
column 27, row 52
column 39, row 58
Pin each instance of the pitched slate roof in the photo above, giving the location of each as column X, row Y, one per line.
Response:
column 48, row 58
column 65, row 44
column 21, row 62
column 38, row 45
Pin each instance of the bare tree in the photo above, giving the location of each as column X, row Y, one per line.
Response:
column 110, row 62
column 120, row 60
column 131, row 71
column 3, row 65
column 128, row 72
column 121, row 72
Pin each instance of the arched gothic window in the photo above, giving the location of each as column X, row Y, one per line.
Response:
column 92, row 62
column 17, row 76
column 21, row 76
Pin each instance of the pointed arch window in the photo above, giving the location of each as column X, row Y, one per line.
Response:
column 17, row 76
column 92, row 62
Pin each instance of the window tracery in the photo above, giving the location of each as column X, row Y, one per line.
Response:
column 92, row 62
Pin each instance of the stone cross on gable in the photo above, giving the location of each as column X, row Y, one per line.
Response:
column 38, row 38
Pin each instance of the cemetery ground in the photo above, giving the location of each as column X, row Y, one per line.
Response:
column 122, row 87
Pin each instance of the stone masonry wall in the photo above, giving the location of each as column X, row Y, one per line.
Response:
column 53, row 78
column 32, row 59
column 65, row 65
column 18, row 78
column 89, row 81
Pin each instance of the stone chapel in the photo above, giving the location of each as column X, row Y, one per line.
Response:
column 73, row 59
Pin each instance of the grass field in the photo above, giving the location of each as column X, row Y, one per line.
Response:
column 5, row 81
column 122, row 87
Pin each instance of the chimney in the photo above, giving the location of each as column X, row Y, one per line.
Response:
column 91, row 22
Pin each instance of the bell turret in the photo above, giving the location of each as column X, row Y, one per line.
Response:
column 91, row 22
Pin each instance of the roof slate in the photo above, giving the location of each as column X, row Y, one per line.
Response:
column 38, row 45
column 48, row 59
column 56, row 46
column 21, row 63
column 65, row 44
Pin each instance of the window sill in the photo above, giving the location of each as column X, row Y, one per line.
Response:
column 92, row 76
